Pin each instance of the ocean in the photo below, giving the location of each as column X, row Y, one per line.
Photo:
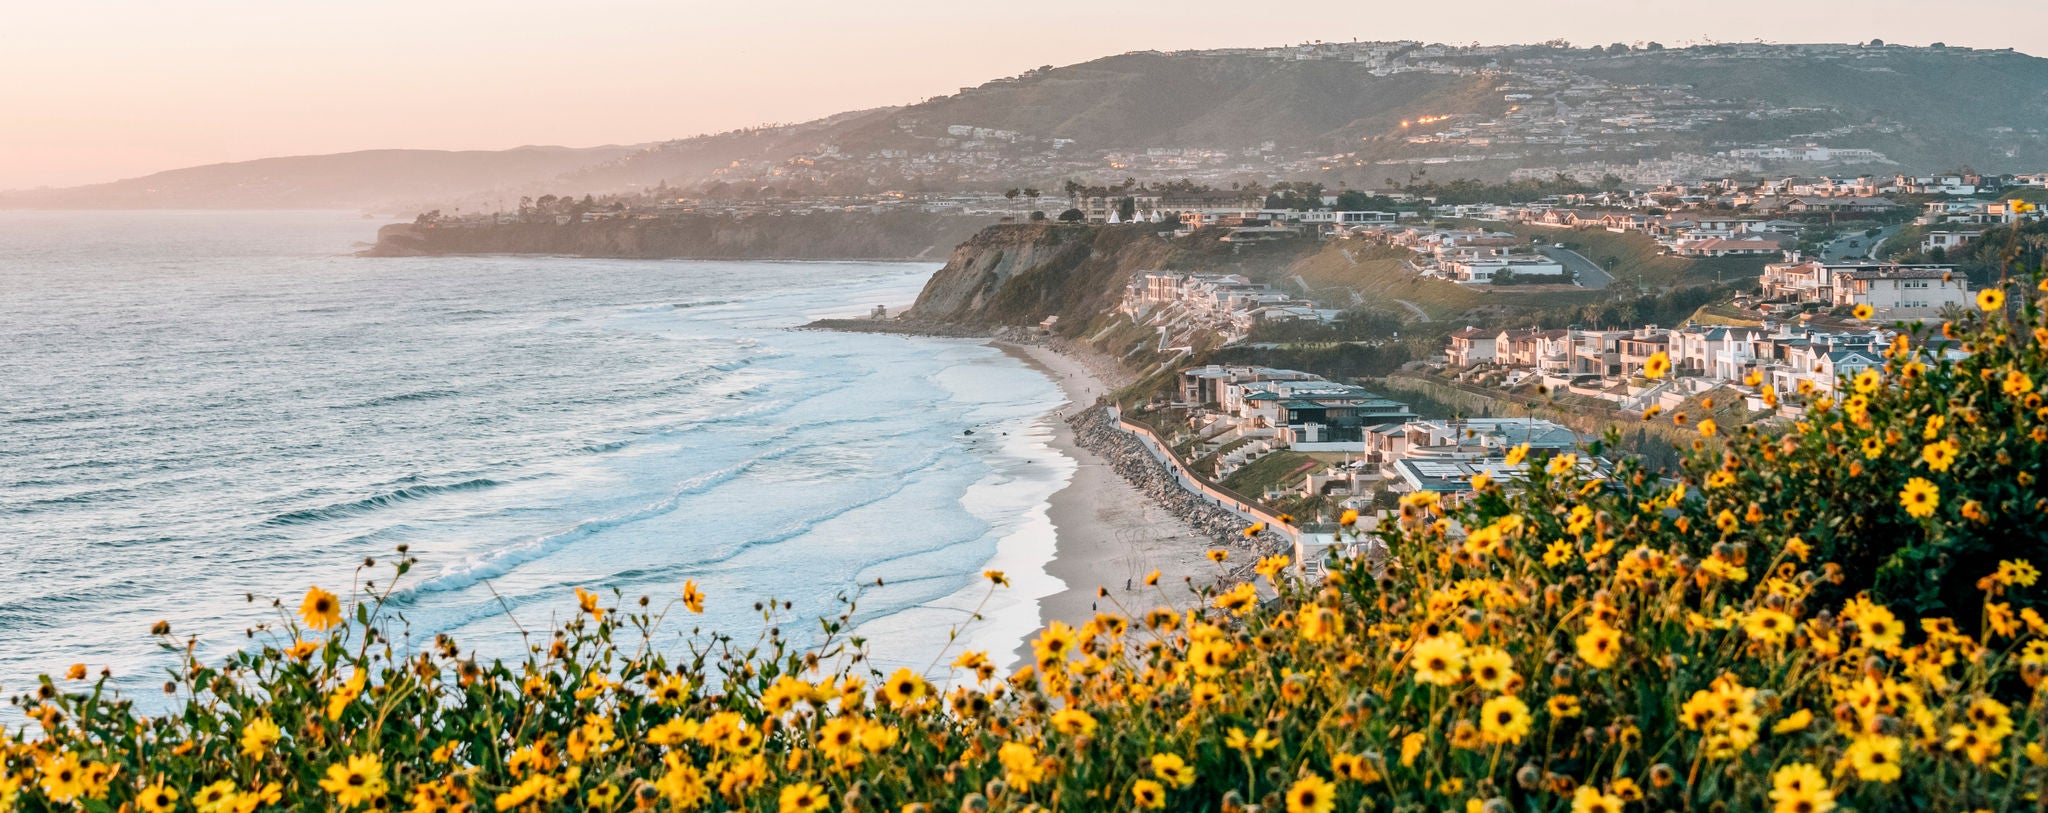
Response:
column 203, row 412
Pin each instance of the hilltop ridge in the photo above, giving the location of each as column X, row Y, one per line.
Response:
column 1341, row 113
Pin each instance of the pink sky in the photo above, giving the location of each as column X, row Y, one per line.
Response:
column 99, row 90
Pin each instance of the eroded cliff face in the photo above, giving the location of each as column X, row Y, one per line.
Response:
column 1020, row 274
column 823, row 236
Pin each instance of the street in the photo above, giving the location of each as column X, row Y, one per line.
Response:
column 1589, row 273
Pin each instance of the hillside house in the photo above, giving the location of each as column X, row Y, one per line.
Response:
column 1903, row 292
column 1473, row 346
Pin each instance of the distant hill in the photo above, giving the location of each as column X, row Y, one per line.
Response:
column 1351, row 113
column 371, row 179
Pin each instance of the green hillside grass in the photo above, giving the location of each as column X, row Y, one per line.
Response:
column 1640, row 256
column 1380, row 276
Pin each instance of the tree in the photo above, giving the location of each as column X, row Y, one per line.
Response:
column 1126, row 209
column 1037, row 216
column 1655, row 46
column 1011, row 193
column 1072, row 216
column 1031, row 192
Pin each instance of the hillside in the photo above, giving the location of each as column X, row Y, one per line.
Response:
column 817, row 236
column 1361, row 114
column 1143, row 100
column 392, row 180
column 1923, row 107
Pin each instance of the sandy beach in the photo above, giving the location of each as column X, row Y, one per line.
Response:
column 1109, row 534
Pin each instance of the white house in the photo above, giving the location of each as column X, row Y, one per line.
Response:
column 1903, row 292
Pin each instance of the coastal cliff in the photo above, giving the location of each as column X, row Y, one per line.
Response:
column 817, row 236
column 1019, row 274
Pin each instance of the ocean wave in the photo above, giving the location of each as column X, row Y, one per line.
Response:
column 497, row 562
column 899, row 481
column 401, row 398
column 386, row 499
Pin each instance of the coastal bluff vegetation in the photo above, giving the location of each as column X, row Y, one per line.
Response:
column 781, row 236
column 1841, row 611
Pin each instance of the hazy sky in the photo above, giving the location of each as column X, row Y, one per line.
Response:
column 97, row 90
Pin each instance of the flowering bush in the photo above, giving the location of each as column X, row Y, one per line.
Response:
column 1759, row 632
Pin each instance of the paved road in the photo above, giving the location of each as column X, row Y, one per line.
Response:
column 1855, row 246
column 1420, row 314
column 1590, row 274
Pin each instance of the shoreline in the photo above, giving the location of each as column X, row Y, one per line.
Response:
column 1107, row 533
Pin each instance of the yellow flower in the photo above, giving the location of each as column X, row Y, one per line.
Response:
column 1863, row 311
column 1218, row 555
column 1354, row 767
column 803, row 797
column 1707, row 427
column 2018, row 383
column 1311, row 794
column 1238, row 599
column 2017, row 573
column 1875, row 757
column 878, row 738
column 258, row 736
column 357, row 782
column 1255, row 529
column 1256, row 744
column 1990, row 299
column 784, row 694
column 1439, row 660
column 1656, row 365
column 1172, row 770
column 1934, row 427
column 1491, row 668
column 693, row 599
column 671, row 690
column 1557, row 553
column 1318, row 624
column 215, row 797
column 1504, row 719
column 1939, row 455
column 1270, row 566
column 63, row 779
column 1800, row 788
column 588, row 601
column 155, row 798
column 1599, row 645
column 1796, row 721
column 1348, row 518
column 1919, row 497
column 1767, row 625
column 1562, row 464
column 1867, row 380
column 1588, row 799
column 1481, row 481
column 321, row 609
column 1148, row 794
column 1517, row 455
column 904, row 689
column 1411, row 747
column 996, row 577
column 1564, row 706
column 1073, row 722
